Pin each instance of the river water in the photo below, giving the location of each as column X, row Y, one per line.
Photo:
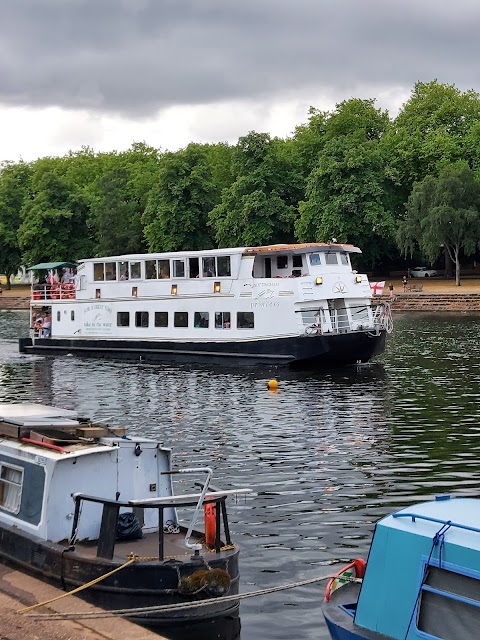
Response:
column 327, row 455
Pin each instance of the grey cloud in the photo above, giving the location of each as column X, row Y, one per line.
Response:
column 134, row 57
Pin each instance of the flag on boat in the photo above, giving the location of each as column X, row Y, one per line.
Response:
column 377, row 288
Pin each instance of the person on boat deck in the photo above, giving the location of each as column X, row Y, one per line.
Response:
column 38, row 325
column 124, row 276
column 47, row 326
column 66, row 277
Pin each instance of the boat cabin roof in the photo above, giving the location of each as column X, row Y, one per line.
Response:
column 307, row 247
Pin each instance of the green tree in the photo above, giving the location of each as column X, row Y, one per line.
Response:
column 176, row 214
column 347, row 197
column 443, row 213
column 53, row 217
column 14, row 182
column 259, row 206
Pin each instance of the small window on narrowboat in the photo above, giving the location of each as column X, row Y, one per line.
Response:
column 151, row 270
column 123, row 319
column 297, row 262
column 98, row 293
column 161, row 318
column 178, row 268
column 180, row 319
column 110, row 271
column 122, row 268
column 141, row 318
column 72, row 315
column 331, row 258
column 208, row 267
column 449, row 606
column 222, row 320
column 315, row 259
column 200, row 320
column 98, row 271
column 223, row 266
column 11, row 483
column 245, row 320
column 58, row 316
column 193, row 268
column 344, row 258
column 135, row 270
column 164, row 268
column 282, row 262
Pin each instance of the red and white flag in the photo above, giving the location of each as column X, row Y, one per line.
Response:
column 377, row 288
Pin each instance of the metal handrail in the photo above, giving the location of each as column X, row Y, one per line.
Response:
column 457, row 525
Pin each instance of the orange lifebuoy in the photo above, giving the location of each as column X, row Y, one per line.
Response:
column 37, row 295
column 357, row 567
column 210, row 516
column 54, row 292
column 71, row 291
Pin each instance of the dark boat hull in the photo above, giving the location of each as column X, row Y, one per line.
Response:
column 310, row 351
column 142, row 584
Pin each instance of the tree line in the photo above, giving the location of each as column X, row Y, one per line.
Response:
column 403, row 187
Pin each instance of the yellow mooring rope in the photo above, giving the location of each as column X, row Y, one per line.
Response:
column 132, row 559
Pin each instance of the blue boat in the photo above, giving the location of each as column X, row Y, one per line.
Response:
column 421, row 579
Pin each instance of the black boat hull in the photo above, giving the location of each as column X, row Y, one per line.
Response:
column 141, row 584
column 310, row 351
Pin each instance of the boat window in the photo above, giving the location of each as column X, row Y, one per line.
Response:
column 193, row 268
column 11, row 482
column 222, row 320
column 297, row 261
column 344, row 258
column 449, row 605
column 123, row 319
column 72, row 315
column 331, row 258
column 58, row 316
column 282, row 262
column 315, row 259
column 135, row 270
column 141, row 318
column 245, row 320
column 178, row 268
column 200, row 320
column 164, row 268
column 180, row 319
column 223, row 266
column 208, row 267
column 161, row 318
column 122, row 268
column 110, row 271
column 151, row 270
column 98, row 272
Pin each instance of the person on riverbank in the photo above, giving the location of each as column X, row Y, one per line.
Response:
column 391, row 289
column 405, row 283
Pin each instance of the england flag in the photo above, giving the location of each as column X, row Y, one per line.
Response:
column 377, row 288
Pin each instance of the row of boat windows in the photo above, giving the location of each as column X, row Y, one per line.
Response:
column 181, row 319
column 206, row 267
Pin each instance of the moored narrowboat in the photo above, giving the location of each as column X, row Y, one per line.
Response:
column 81, row 500
column 421, row 580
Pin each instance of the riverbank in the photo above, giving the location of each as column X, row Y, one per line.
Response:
column 434, row 294
column 19, row 590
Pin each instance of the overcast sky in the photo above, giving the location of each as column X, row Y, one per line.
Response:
column 105, row 73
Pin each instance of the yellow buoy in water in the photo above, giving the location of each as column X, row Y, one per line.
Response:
column 272, row 384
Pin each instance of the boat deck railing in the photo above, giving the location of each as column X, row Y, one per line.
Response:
column 111, row 511
column 54, row 291
column 450, row 523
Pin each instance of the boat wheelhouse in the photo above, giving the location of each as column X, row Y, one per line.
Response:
column 279, row 304
column 421, row 580
column 81, row 501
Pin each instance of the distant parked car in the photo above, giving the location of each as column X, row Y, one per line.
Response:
column 423, row 272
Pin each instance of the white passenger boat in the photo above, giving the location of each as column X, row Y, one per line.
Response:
column 83, row 504
column 280, row 304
